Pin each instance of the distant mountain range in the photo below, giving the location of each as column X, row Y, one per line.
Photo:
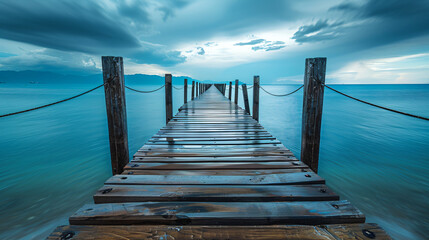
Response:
column 57, row 78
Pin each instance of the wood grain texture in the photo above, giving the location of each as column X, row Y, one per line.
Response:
column 114, row 90
column 218, row 213
column 314, row 78
column 161, row 232
column 290, row 178
column 256, row 98
column 213, row 193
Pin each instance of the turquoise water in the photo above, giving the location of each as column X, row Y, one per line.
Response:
column 54, row 159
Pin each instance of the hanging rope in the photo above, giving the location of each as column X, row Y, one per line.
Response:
column 378, row 106
column 178, row 88
column 282, row 95
column 50, row 104
column 139, row 91
column 247, row 87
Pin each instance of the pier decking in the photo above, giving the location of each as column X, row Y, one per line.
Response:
column 213, row 172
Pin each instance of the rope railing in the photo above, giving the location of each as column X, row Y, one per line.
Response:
column 51, row 104
column 272, row 94
column 282, row 95
column 378, row 106
column 140, row 91
column 177, row 88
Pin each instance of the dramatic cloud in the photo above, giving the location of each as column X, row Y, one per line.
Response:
column 321, row 30
column 209, row 39
column 262, row 44
column 253, row 42
column 269, row 46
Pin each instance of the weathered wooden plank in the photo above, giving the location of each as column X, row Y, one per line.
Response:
column 357, row 231
column 216, row 148
column 161, row 139
column 294, row 178
column 162, row 232
column 270, row 142
column 216, row 159
column 231, row 145
column 214, row 166
column 222, row 172
column 218, row 213
column 213, row 193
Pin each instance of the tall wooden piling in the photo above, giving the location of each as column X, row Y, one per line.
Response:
column 314, row 80
column 168, row 98
column 236, row 91
column 256, row 98
column 230, row 91
column 185, row 89
column 197, row 84
column 114, row 90
column 246, row 99
column 193, row 90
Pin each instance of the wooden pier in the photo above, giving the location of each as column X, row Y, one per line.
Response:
column 213, row 172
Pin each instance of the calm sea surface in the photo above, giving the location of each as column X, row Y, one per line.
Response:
column 54, row 159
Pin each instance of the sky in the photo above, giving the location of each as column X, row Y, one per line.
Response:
column 365, row 41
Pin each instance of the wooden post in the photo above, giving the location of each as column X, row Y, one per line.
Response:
column 230, row 91
column 114, row 90
column 246, row 98
column 168, row 99
column 256, row 98
column 314, row 78
column 185, row 94
column 236, row 92
column 196, row 90
column 193, row 90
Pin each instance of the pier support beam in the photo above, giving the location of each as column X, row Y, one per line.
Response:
column 246, row 99
column 193, row 90
column 230, row 91
column 185, row 89
column 256, row 98
column 314, row 80
column 236, row 91
column 114, row 90
column 168, row 98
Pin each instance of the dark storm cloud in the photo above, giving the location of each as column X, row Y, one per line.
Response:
column 63, row 25
column 91, row 27
column 388, row 21
column 321, row 30
column 344, row 6
column 374, row 23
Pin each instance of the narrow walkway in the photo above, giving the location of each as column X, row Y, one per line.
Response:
column 215, row 173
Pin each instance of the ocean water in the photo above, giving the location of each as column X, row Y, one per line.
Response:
column 54, row 159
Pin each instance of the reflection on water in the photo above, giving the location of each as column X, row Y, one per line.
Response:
column 54, row 159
